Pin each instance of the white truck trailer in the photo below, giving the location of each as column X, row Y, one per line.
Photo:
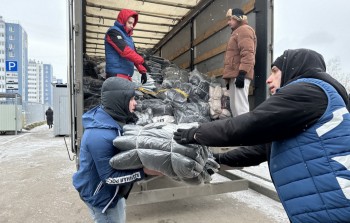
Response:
column 191, row 33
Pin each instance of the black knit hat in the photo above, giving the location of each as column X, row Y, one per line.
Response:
column 237, row 14
column 278, row 62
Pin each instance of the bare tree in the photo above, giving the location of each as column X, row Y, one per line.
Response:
column 334, row 69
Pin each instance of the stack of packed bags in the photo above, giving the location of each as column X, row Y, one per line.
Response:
column 93, row 78
column 181, row 98
column 186, row 93
column 152, row 146
column 156, row 65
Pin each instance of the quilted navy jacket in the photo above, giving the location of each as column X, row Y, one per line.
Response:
column 311, row 171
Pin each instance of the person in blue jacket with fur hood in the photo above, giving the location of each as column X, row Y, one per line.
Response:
column 102, row 188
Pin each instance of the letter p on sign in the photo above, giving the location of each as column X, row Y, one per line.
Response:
column 11, row 66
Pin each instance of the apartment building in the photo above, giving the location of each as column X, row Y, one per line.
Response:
column 16, row 59
column 2, row 56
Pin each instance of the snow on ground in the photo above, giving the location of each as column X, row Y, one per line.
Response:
column 255, row 200
column 25, row 147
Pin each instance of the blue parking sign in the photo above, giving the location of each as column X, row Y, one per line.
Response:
column 11, row 66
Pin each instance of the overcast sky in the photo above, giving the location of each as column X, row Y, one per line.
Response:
column 45, row 23
column 322, row 25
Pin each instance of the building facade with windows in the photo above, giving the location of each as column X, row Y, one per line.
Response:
column 2, row 56
column 48, row 79
column 35, row 82
column 16, row 59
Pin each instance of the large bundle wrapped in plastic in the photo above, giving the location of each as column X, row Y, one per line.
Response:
column 159, row 108
column 175, row 73
column 173, row 95
column 164, row 118
column 90, row 69
column 92, row 92
column 218, row 102
column 201, row 84
column 101, row 70
column 156, row 64
column 153, row 59
column 149, row 85
column 191, row 112
column 92, row 82
column 146, row 117
column 153, row 147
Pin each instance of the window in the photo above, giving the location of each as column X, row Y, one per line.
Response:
column 11, row 46
column 12, row 29
column 11, row 54
column 12, row 37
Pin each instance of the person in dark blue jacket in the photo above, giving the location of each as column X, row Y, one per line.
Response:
column 120, row 52
column 302, row 130
column 101, row 187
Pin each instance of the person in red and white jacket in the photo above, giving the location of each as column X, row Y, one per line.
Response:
column 120, row 52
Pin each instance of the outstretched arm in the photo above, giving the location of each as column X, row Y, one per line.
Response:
column 288, row 112
column 244, row 156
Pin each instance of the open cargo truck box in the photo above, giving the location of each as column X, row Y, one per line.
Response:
column 190, row 33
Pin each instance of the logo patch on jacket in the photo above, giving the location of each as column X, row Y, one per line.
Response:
column 124, row 179
column 119, row 37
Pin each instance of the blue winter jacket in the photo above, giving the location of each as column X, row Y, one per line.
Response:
column 116, row 64
column 311, row 171
column 96, row 181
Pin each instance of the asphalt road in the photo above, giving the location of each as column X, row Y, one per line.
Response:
column 35, row 186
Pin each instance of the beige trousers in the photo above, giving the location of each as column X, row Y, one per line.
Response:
column 239, row 98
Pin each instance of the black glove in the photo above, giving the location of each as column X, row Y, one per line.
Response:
column 143, row 78
column 210, row 171
column 147, row 67
column 217, row 157
column 240, row 79
column 185, row 136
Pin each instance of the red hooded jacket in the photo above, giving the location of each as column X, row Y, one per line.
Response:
column 123, row 17
column 116, row 40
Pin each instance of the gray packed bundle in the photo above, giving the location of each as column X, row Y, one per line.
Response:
column 92, row 92
column 144, row 117
column 158, row 106
column 153, row 147
column 201, row 84
column 174, row 96
column 191, row 112
column 149, row 85
column 219, row 101
column 173, row 72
